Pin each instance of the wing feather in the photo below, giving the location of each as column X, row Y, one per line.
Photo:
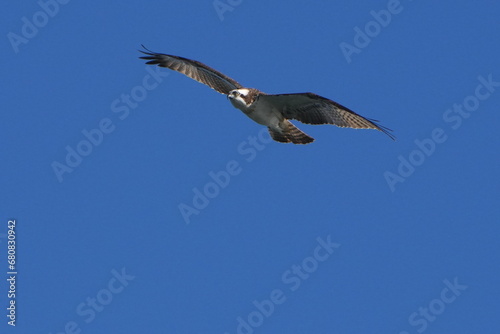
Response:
column 310, row 108
column 193, row 69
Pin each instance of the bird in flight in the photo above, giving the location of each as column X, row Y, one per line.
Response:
column 271, row 110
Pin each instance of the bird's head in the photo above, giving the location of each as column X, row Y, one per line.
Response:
column 240, row 98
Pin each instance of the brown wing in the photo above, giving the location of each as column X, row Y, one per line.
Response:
column 314, row 109
column 193, row 69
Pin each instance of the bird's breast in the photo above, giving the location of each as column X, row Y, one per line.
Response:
column 263, row 113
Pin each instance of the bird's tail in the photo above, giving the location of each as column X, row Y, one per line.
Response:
column 289, row 133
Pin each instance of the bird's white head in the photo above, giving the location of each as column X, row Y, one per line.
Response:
column 240, row 98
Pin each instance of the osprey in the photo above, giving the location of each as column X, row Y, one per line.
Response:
column 271, row 110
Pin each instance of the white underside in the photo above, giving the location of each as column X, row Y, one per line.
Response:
column 260, row 112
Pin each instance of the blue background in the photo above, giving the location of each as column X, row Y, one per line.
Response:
column 118, row 210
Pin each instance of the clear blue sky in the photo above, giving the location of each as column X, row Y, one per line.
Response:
column 145, row 203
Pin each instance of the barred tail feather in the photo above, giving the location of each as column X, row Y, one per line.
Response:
column 289, row 133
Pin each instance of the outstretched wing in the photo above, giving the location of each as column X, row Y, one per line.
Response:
column 314, row 109
column 193, row 69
